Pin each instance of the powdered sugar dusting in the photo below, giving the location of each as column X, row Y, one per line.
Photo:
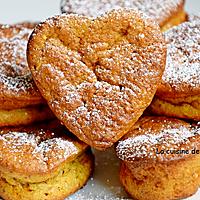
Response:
column 183, row 57
column 17, row 139
column 193, row 17
column 101, row 84
column 57, row 144
column 14, row 72
column 154, row 8
column 45, row 149
column 145, row 145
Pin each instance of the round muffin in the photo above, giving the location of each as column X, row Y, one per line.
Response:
column 20, row 100
column 160, row 159
column 179, row 93
column 43, row 164
column 98, row 76
column 168, row 13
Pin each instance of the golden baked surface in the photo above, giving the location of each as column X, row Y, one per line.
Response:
column 177, row 18
column 160, row 12
column 148, row 174
column 166, row 181
column 25, row 116
column 150, row 135
column 98, row 76
column 17, row 88
column 36, row 151
column 70, row 177
column 185, row 107
column 181, row 76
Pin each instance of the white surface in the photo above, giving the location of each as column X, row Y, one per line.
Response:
column 105, row 183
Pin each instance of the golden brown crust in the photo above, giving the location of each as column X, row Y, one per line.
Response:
column 181, row 76
column 25, row 116
column 185, row 108
column 70, row 177
column 153, row 166
column 30, row 151
column 151, row 135
column 19, row 103
column 176, row 9
column 169, row 181
column 98, row 76
column 17, row 88
column 175, row 20
column 161, row 12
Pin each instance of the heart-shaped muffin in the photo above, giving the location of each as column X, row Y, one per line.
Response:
column 98, row 76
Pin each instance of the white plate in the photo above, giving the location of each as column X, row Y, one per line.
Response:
column 105, row 183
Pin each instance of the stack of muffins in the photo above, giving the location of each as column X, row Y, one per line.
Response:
column 84, row 79
column 39, row 159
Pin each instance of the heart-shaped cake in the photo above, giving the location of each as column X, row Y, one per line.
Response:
column 98, row 75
